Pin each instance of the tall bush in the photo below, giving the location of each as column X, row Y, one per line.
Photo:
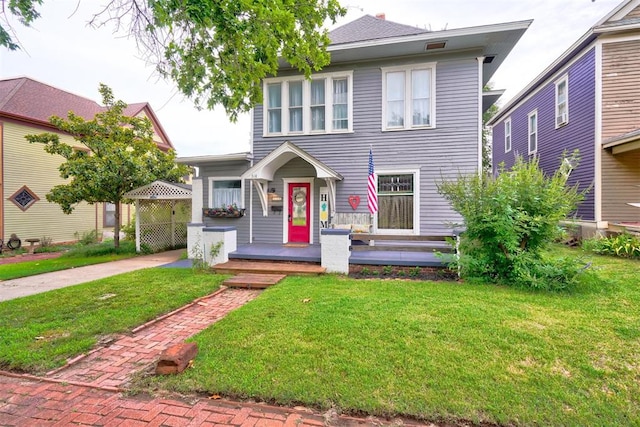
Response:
column 509, row 220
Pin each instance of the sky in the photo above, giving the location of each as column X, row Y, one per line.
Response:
column 61, row 50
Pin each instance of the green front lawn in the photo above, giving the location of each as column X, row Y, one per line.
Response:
column 435, row 351
column 40, row 332
column 77, row 256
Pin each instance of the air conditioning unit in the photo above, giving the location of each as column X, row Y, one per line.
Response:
column 562, row 119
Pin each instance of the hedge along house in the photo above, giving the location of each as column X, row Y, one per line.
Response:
column 413, row 96
column 588, row 99
column 28, row 173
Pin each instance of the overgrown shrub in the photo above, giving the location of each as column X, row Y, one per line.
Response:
column 623, row 245
column 87, row 238
column 129, row 231
column 509, row 221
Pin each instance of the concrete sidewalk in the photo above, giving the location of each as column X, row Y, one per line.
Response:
column 16, row 288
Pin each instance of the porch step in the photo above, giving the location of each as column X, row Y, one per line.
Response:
column 253, row 281
column 268, row 267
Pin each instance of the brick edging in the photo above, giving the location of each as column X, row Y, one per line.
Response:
column 133, row 331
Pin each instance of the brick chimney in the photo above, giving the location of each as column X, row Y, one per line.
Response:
column 380, row 16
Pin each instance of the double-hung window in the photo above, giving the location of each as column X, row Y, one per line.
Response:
column 562, row 101
column 408, row 97
column 507, row 135
column 533, row 132
column 322, row 104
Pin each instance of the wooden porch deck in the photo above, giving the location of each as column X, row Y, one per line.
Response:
column 311, row 254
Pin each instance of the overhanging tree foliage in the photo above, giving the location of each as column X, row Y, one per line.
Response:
column 218, row 51
column 509, row 221
column 120, row 155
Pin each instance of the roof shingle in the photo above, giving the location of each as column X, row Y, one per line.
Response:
column 371, row 28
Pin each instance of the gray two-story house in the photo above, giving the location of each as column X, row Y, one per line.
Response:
column 413, row 97
column 588, row 99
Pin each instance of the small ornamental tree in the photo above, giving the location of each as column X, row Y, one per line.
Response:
column 120, row 155
column 509, row 221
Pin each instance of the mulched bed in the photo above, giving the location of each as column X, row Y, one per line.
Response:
column 400, row 272
column 26, row 257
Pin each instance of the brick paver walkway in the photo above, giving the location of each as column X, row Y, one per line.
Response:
column 114, row 365
column 88, row 390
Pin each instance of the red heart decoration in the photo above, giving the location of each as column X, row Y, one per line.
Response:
column 354, row 201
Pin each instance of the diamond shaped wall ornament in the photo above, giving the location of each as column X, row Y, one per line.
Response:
column 24, row 198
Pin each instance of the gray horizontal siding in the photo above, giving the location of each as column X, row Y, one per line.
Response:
column 230, row 168
column 450, row 148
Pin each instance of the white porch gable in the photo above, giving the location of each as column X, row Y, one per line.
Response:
column 263, row 172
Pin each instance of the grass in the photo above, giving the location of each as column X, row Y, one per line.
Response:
column 39, row 332
column 435, row 351
column 78, row 256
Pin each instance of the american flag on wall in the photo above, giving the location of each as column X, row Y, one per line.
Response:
column 372, row 193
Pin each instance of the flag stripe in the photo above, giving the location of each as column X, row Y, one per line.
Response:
column 372, row 194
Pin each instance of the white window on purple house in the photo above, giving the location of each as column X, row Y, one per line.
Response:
column 533, row 132
column 507, row 135
column 562, row 101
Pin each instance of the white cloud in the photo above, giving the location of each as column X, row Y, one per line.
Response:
column 62, row 51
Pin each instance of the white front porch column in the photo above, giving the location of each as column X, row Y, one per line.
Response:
column 196, row 200
column 223, row 240
column 334, row 249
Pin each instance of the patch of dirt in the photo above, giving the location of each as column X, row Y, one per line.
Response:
column 400, row 272
column 27, row 257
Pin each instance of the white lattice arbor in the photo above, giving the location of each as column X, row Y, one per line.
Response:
column 163, row 210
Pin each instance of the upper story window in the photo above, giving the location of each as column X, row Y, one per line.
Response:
column 507, row 135
column 408, row 97
column 320, row 105
column 562, row 101
column 533, row 132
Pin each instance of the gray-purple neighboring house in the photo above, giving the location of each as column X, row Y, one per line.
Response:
column 587, row 99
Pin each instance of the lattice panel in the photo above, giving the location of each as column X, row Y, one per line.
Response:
column 163, row 223
column 161, row 190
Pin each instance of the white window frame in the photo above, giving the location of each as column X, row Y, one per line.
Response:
column 416, row 201
column 532, row 132
column 306, row 104
column 408, row 105
column 562, row 119
column 212, row 179
column 507, row 135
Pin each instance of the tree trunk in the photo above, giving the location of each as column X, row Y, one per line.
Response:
column 116, row 227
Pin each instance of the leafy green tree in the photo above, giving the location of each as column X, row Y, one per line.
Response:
column 120, row 155
column 509, row 221
column 218, row 51
column 25, row 11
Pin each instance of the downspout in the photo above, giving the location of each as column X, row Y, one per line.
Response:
column 251, row 114
column 480, row 124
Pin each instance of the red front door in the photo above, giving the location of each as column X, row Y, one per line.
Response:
column 299, row 224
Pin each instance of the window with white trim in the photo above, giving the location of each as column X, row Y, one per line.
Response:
column 396, row 202
column 320, row 105
column 408, row 97
column 533, row 131
column 562, row 102
column 225, row 192
column 507, row 135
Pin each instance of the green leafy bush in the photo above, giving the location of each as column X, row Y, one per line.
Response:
column 129, row 231
column 510, row 219
column 623, row 245
column 87, row 238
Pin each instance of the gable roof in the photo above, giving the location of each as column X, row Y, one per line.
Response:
column 616, row 20
column 29, row 100
column 369, row 27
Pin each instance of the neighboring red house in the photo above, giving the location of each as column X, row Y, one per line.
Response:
column 27, row 172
